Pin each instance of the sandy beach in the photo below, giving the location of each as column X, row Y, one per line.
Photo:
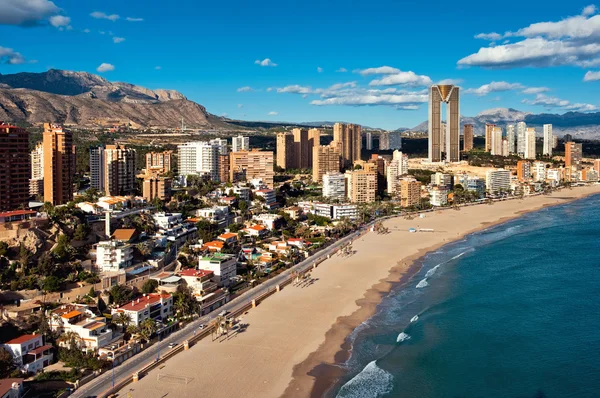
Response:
column 294, row 337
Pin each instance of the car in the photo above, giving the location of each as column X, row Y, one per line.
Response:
column 223, row 313
column 201, row 327
column 172, row 345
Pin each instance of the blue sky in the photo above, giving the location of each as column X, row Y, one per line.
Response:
column 320, row 60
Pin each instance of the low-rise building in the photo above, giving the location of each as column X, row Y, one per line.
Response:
column 11, row 388
column 155, row 306
column 217, row 214
column 222, row 265
column 269, row 196
column 113, row 255
column 29, row 352
column 256, row 230
column 167, row 220
column 92, row 330
column 294, row 212
column 228, row 237
column 269, row 220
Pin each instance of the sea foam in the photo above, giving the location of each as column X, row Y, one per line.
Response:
column 414, row 319
column 372, row 381
column 423, row 283
column 402, row 337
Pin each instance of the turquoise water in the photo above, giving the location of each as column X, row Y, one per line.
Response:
column 513, row 311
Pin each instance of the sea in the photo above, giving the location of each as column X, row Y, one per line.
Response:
column 511, row 311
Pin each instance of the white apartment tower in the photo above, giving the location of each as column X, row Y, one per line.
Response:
column 199, row 158
column 368, row 140
column 496, row 147
column 548, row 140
column 521, row 129
column 396, row 168
column 240, row 143
column 529, row 152
column 511, row 137
column 334, row 186
column 221, row 143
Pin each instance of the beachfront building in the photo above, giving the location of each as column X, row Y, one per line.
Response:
column 410, row 192
column 222, row 265
column 332, row 211
column 361, row 186
column 438, row 196
column 29, row 352
column 334, row 186
column 523, row 170
column 157, row 306
column 530, row 143
column 442, row 180
column 497, row 181
column 539, row 171
column 92, row 330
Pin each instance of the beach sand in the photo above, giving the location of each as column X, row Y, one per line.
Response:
column 295, row 336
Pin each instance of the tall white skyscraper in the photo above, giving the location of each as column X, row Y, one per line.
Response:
column 521, row 128
column 368, row 140
column 529, row 143
column 548, row 140
column 396, row 168
column 199, row 158
column 240, row 143
column 334, row 185
column 511, row 137
column 496, row 148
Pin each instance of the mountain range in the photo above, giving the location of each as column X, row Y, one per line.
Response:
column 578, row 124
column 84, row 99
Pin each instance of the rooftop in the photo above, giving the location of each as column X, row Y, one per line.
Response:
column 71, row 314
column 198, row 273
column 142, row 302
column 15, row 213
column 7, row 384
column 227, row 235
column 217, row 257
column 24, row 338
column 124, row 234
column 40, row 350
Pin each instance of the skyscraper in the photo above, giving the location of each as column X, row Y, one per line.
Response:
column 158, row 162
column 521, row 129
column 252, row 164
column 548, row 140
column 529, row 143
column 348, row 137
column 496, row 141
column 468, row 137
column 489, row 129
column 301, row 149
column 449, row 95
column 285, row 151
column 395, row 141
column 221, row 144
column 97, row 167
column 199, row 158
column 384, row 141
column 511, row 137
column 368, row 141
column 240, row 143
column 326, row 159
column 36, row 184
column 15, row 167
column 314, row 139
column 59, row 164
column 573, row 155
column 397, row 167
column 119, row 170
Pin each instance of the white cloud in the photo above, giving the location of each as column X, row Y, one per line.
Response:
column 86, row 31
column 131, row 19
column 536, row 90
column 240, row 106
column 554, row 102
column 26, row 12
column 10, row 56
column 118, row 39
column 342, row 70
column 489, row 36
column 102, row 15
column 269, row 89
column 572, row 41
column 494, row 87
column 273, row 113
column 381, row 70
column 409, row 78
column 591, row 76
column 265, row 62
column 104, row 67
column 319, row 69
column 245, row 89
column 371, row 99
column 454, row 82
column 59, row 21
column 295, row 89
column 158, row 67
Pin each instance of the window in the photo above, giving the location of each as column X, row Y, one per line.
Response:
column 30, row 346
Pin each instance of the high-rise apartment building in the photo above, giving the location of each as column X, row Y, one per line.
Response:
column 529, row 143
column 468, row 137
column 301, row 154
column 548, row 140
column 250, row 165
column 361, row 186
column 395, row 140
column 539, row 171
column 199, row 158
column 521, row 132
column 449, row 95
column 524, row 170
column 384, row 141
column 224, row 168
column 380, row 166
column 285, row 151
column 295, row 149
column 489, row 131
column 97, row 168
column 156, row 187
column 36, row 183
column 314, row 139
column 326, row 159
column 221, row 144
column 15, row 167
column 59, row 164
column 511, row 137
column 159, row 162
column 240, row 143
column 334, row 186
column 368, row 141
column 573, row 155
column 496, row 141
column 397, row 167
column 497, row 180
column 348, row 137
column 119, row 170
column 410, row 192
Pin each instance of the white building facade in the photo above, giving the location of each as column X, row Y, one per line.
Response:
column 334, row 186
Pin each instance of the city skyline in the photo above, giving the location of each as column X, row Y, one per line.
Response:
column 302, row 75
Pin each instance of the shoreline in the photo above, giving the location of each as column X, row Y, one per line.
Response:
column 294, row 342
column 336, row 348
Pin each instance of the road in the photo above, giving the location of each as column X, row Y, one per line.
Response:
column 100, row 385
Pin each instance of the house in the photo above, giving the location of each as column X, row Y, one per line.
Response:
column 228, row 237
column 93, row 330
column 89, row 207
column 200, row 281
column 151, row 306
column 280, row 247
column 271, row 221
column 294, row 212
column 256, row 230
column 125, row 235
column 11, row 388
column 298, row 242
column 217, row 214
column 113, row 255
column 222, row 265
column 228, row 200
column 213, row 246
column 29, row 352
column 113, row 202
column 16, row 215
column 269, row 196
column 167, row 221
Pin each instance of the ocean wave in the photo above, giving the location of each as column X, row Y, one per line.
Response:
column 414, row 319
column 432, row 271
column 402, row 337
column 423, row 283
column 372, row 381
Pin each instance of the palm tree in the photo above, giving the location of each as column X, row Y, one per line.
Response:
column 148, row 328
column 124, row 320
column 72, row 340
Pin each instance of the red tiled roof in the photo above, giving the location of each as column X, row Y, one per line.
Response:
column 198, row 273
column 265, row 190
column 39, row 350
column 142, row 302
column 71, row 314
column 22, row 339
column 229, row 198
column 124, row 234
column 227, row 235
column 17, row 213
column 258, row 227
column 6, row 384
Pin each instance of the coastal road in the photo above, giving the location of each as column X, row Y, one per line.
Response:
column 103, row 383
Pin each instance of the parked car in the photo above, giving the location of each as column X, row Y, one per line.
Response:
column 172, row 345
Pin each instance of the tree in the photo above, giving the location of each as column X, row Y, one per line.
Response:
column 81, row 232
column 148, row 328
column 7, row 364
column 63, row 250
column 124, row 320
column 150, row 286
column 24, row 255
column 51, row 284
column 184, row 302
column 120, row 294
column 92, row 292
